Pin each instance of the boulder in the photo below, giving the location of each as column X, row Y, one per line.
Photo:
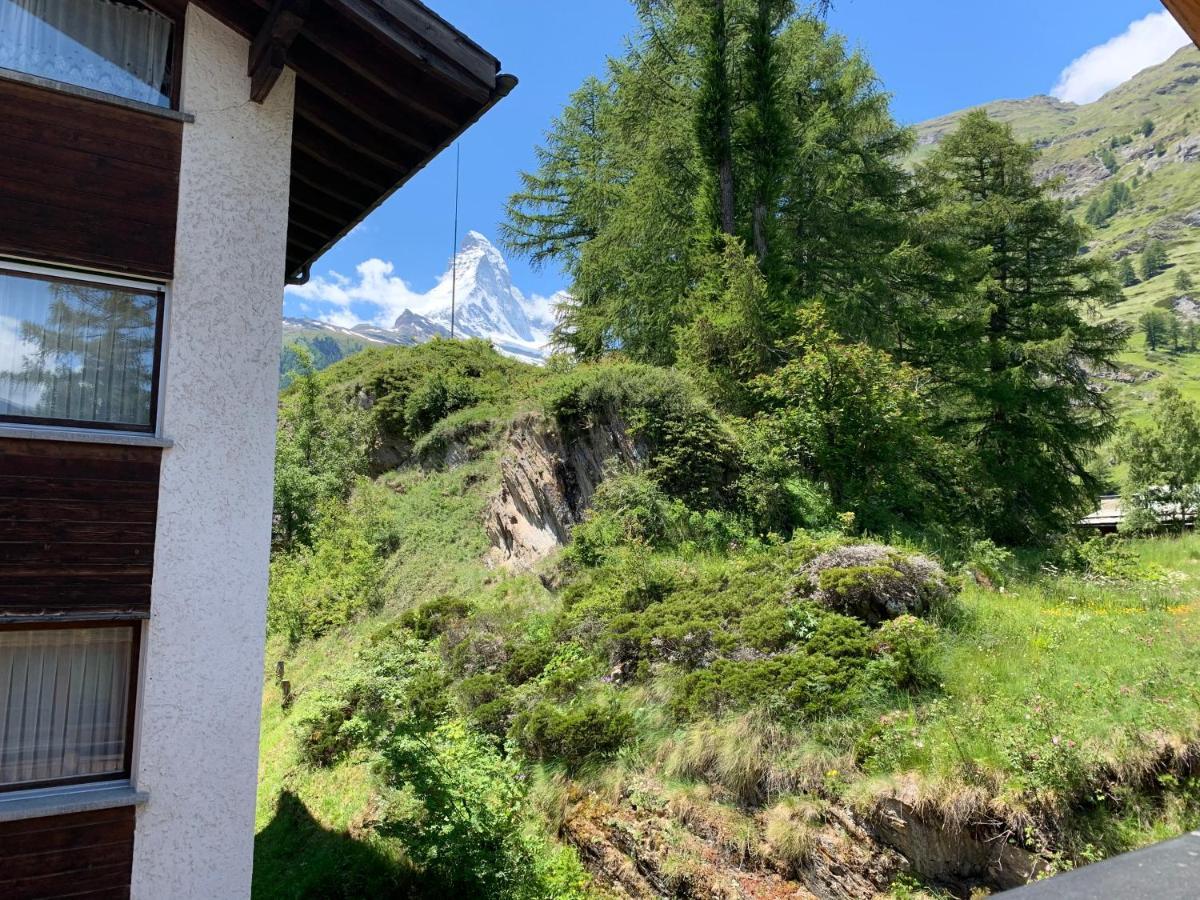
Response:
column 875, row 583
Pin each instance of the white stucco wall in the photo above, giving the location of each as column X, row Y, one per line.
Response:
column 197, row 745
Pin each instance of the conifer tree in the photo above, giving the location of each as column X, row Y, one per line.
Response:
column 1154, row 260
column 1155, row 325
column 1019, row 374
column 714, row 107
column 1183, row 281
column 1125, row 272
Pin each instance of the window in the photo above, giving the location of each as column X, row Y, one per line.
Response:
column 78, row 352
column 119, row 47
column 66, row 704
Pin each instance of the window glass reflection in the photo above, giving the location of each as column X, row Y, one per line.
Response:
column 76, row 352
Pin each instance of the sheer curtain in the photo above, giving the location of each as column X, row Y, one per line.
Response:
column 64, row 695
column 112, row 47
column 76, row 352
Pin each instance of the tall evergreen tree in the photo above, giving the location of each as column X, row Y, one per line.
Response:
column 1019, row 372
column 1125, row 272
column 714, row 107
column 1154, row 324
column 1154, row 260
column 566, row 201
column 1183, row 281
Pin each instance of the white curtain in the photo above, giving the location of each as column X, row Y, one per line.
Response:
column 76, row 352
column 64, row 694
column 106, row 46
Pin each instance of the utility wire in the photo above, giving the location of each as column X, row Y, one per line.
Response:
column 454, row 246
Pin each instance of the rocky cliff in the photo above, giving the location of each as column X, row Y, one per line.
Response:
column 547, row 482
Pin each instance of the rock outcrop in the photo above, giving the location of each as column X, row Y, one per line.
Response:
column 547, row 480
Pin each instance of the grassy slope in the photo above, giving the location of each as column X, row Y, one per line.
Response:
column 1168, row 189
column 1056, row 681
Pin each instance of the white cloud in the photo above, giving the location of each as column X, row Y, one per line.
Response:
column 386, row 295
column 1145, row 43
column 543, row 311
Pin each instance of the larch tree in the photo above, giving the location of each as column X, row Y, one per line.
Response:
column 1021, row 368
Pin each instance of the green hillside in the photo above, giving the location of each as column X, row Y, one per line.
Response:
column 1161, row 169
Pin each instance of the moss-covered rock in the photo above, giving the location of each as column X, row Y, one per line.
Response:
column 875, row 583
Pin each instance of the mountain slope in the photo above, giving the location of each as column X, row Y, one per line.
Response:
column 1151, row 127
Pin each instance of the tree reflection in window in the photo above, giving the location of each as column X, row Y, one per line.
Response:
column 77, row 353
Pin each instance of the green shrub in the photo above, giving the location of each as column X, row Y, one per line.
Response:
column 435, row 397
column 909, row 646
column 314, row 589
column 691, row 454
column 396, row 681
column 460, row 811
column 488, row 701
column 321, row 449
column 431, row 619
column 527, row 660
column 585, row 730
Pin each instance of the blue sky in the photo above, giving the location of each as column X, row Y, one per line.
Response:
column 933, row 56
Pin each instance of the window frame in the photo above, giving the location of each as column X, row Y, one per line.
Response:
column 174, row 11
column 135, row 653
column 89, row 279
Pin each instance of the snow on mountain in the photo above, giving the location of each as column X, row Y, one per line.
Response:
column 486, row 304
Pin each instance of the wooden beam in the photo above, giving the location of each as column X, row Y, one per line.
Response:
column 387, row 147
column 269, row 49
column 475, row 82
column 334, row 52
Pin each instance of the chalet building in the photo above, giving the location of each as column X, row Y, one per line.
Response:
column 165, row 167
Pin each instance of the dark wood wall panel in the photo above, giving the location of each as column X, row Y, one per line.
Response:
column 87, row 183
column 76, row 529
column 82, row 855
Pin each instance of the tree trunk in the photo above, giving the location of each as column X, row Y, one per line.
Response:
column 725, row 117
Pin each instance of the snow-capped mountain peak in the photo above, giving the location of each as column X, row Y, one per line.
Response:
column 486, row 302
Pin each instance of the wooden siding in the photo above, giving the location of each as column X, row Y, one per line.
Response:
column 1188, row 14
column 76, row 529
column 85, row 855
column 87, row 183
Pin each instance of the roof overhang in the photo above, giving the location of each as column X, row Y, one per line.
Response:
column 1188, row 14
column 382, row 87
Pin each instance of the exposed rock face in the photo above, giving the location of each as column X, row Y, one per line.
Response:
column 1187, row 308
column 875, row 583
column 638, row 846
column 546, row 483
column 951, row 854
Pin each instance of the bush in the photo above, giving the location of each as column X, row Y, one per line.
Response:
column 586, row 730
column 910, row 648
column 488, row 701
column 875, row 583
column 691, row 454
column 630, row 510
column 314, row 589
column 431, row 619
column 322, row 447
column 396, row 681
column 828, row 675
column 434, row 398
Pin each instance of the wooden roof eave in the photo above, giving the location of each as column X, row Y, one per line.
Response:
column 383, row 86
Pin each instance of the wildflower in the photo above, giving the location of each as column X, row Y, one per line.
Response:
column 1056, row 740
